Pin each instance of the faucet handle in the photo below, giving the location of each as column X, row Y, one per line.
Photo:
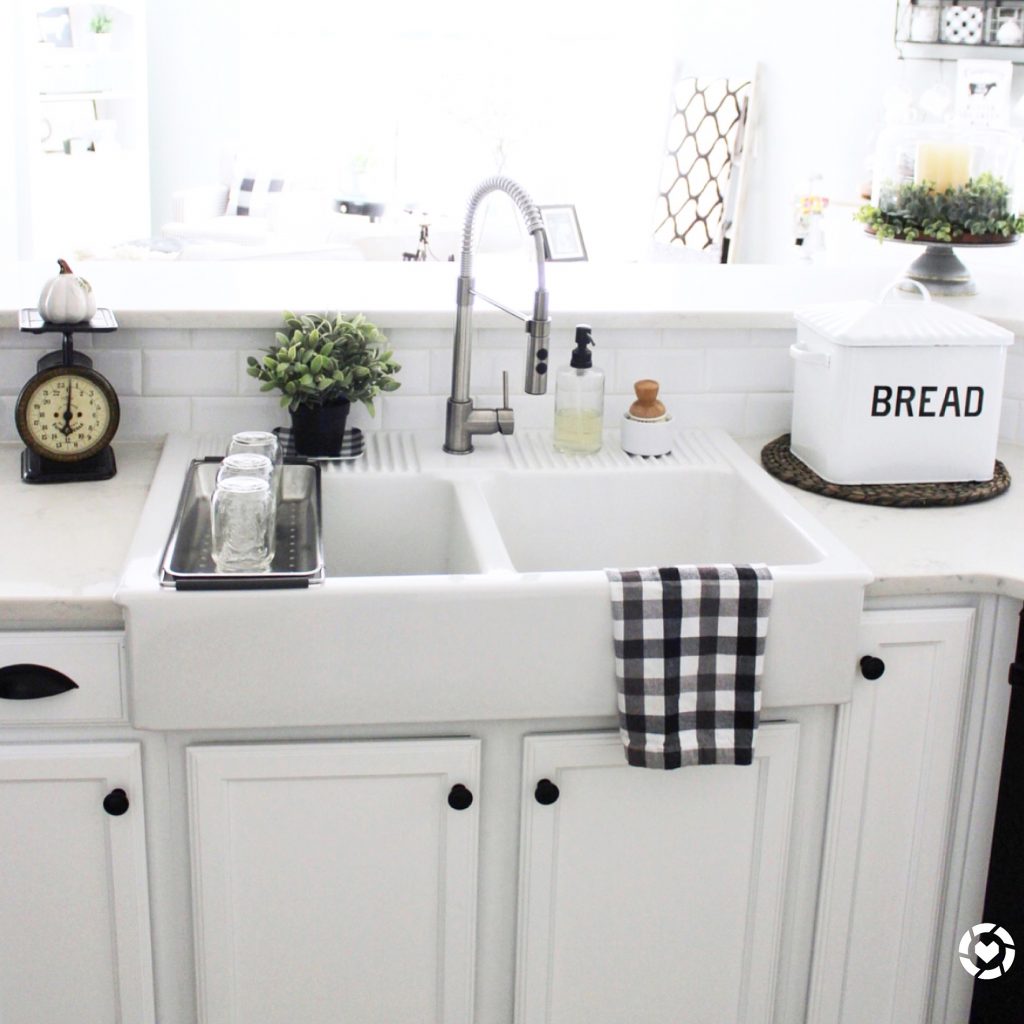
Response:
column 505, row 415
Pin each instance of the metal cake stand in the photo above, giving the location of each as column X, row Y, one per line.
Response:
column 939, row 268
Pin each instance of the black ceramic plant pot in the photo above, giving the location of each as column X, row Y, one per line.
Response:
column 320, row 429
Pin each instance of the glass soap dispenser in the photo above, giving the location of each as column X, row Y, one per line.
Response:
column 579, row 400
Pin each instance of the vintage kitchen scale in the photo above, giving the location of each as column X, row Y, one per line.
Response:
column 67, row 412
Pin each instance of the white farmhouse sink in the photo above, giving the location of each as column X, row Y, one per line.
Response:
column 471, row 588
column 608, row 519
column 396, row 526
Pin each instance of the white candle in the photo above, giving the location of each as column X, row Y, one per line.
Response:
column 942, row 164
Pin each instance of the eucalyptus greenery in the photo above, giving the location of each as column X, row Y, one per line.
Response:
column 101, row 24
column 317, row 360
column 977, row 211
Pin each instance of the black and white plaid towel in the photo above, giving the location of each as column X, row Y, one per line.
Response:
column 353, row 444
column 689, row 649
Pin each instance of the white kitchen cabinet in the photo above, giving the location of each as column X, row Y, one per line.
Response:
column 74, row 904
column 335, row 881
column 890, row 823
column 649, row 895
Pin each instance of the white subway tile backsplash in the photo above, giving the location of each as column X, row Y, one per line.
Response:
column 674, row 369
column 196, row 380
column 1009, row 420
column 16, row 366
column 412, row 413
column 228, row 415
column 766, row 337
column 696, row 337
column 143, row 419
column 484, row 371
column 402, row 338
column 618, row 338
column 8, row 431
column 749, row 370
column 768, row 414
column 148, row 338
column 250, row 340
column 122, row 368
column 191, row 373
column 1013, row 382
column 40, row 342
column 496, row 337
column 415, row 375
column 725, row 411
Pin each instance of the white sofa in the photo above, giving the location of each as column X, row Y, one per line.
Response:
column 298, row 224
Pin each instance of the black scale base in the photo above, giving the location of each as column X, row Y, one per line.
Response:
column 35, row 469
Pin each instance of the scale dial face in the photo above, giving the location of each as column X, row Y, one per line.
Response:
column 67, row 413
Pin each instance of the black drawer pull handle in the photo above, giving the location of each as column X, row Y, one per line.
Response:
column 32, row 682
column 546, row 792
column 459, row 798
column 871, row 667
column 115, row 802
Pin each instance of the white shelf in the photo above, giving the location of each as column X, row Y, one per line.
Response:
column 959, row 51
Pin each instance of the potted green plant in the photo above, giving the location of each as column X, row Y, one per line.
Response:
column 321, row 365
column 101, row 23
column 973, row 214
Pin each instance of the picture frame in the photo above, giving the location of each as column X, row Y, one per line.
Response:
column 564, row 239
column 54, row 26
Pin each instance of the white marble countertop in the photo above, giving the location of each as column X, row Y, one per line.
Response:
column 64, row 547
column 664, row 295
column 966, row 549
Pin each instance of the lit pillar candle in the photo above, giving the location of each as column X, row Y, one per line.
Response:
column 943, row 164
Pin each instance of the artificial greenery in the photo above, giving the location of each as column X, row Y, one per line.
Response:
column 101, row 24
column 977, row 211
column 318, row 360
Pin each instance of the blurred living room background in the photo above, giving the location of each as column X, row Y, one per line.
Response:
column 243, row 129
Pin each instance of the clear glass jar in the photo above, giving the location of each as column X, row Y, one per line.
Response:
column 261, row 442
column 246, row 464
column 242, row 524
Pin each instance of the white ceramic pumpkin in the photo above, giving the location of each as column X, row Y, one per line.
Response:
column 67, row 298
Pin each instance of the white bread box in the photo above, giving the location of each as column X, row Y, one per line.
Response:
column 897, row 391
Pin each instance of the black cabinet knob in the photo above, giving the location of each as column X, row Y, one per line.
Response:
column 459, row 798
column 546, row 792
column 116, row 802
column 32, row 682
column 871, row 667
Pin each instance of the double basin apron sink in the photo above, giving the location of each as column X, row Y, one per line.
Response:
column 472, row 588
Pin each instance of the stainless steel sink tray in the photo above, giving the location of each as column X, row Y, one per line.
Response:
column 187, row 563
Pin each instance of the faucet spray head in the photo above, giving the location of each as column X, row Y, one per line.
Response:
column 539, row 330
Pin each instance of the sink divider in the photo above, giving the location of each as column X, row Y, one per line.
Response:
column 484, row 537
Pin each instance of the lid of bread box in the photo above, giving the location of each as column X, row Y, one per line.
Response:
column 893, row 322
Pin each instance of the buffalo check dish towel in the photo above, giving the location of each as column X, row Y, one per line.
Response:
column 689, row 650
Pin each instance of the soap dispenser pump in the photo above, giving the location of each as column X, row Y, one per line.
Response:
column 579, row 399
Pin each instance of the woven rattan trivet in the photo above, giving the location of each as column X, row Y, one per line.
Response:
column 782, row 463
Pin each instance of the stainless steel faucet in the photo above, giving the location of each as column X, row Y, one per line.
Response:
column 463, row 420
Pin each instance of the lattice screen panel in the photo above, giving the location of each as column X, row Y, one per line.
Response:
column 704, row 133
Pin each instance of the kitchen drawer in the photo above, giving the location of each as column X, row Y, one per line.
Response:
column 92, row 661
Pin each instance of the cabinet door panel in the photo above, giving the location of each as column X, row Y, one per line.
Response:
column 333, row 881
column 74, row 910
column 651, row 895
column 893, row 786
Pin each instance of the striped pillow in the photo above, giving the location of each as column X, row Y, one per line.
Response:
column 250, row 196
